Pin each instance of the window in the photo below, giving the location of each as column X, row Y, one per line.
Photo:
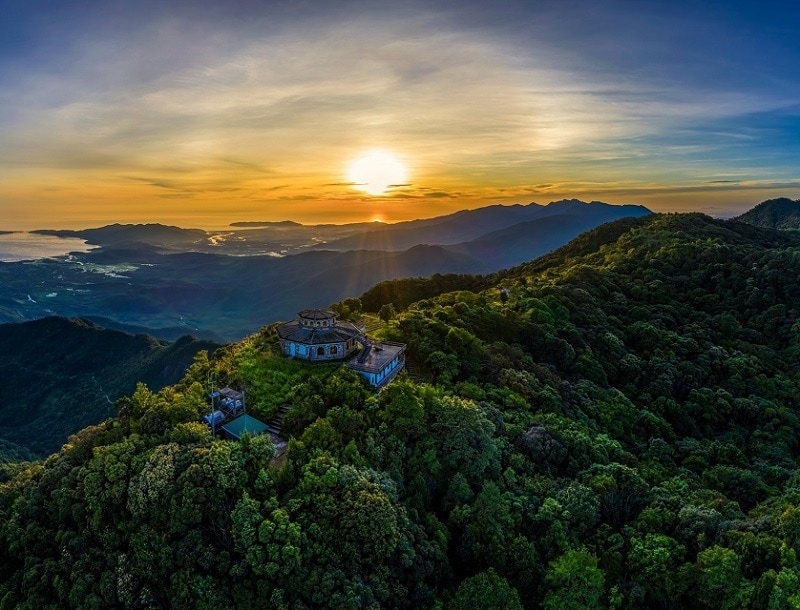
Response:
column 334, row 350
column 320, row 351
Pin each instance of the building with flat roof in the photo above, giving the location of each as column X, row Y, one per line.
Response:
column 379, row 362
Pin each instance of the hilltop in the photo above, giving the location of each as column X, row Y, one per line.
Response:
column 782, row 213
column 613, row 425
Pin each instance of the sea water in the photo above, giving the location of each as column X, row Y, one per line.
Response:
column 32, row 246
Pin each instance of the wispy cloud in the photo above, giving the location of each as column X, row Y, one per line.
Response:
column 481, row 105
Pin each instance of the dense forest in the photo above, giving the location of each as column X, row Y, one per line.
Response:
column 782, row 213
column 614, row 425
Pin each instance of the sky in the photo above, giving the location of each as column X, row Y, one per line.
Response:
column 203, row 113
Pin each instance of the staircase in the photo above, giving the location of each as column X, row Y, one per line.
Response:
column 275, row 424
column 412, row 371
column 372, row 326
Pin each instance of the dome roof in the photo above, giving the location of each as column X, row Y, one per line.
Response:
column 317, row 314
column 293, row 331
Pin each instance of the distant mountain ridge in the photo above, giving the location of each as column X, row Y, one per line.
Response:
column 228, row 285
column 153, row 234
column 288, row 236
column 61, row 375
column 781, row 213
column 526, row 241
column 266, row 223
column 470, row 225
column 619, row 417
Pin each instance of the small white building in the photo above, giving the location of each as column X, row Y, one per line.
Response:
column 380, row 362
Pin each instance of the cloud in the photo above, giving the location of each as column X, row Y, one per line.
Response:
column 228, row 104
column 278, row 100
column 298, row 198
column 154, row 182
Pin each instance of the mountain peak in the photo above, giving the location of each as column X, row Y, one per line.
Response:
column 570, row 202
column 780, row 213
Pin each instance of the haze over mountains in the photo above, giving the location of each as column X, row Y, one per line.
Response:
column 225, row 285
column 483, row 225
column 288, row 237
column 616, row 421
column 67, row 372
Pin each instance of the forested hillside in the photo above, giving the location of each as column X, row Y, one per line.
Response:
column 614, row 425
column 782, row 213
column 60, row 375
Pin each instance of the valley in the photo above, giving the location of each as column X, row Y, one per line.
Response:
column 222, row 286
column 616, row 421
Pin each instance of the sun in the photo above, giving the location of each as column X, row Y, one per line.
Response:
column 375, row 171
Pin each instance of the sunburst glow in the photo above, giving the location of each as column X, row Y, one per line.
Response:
column 376, row 171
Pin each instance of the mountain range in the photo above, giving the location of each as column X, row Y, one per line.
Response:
column 50, row 346
column 614, row 424
column 288, row 237
column 486, row 225
column 225, row 285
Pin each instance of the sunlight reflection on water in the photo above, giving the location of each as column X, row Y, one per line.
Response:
column 32, row 246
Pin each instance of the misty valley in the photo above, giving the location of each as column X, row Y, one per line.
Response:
column 169, row 281
column 613, row 424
